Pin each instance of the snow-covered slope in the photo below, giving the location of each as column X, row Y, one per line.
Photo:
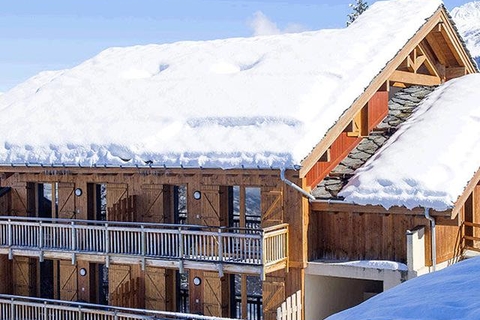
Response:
column 430, row 159
column 448, row 294
column 262, row 101
column 467, row 19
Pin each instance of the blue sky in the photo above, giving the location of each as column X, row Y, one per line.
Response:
column 37, row 35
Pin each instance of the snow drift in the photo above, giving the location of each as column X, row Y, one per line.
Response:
column 451, row 293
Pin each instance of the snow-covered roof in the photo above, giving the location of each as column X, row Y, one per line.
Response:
column 429, row 161
column 253, row 102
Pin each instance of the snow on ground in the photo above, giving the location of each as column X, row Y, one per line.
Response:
column 451, row 293
column 430, row 159
column 261, row 101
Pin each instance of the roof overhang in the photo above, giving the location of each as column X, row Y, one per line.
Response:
column 338, row 206
column 466, row 193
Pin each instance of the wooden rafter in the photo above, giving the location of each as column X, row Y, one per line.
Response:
column 433, row 43
column 415, row 60
column 411, row 71
column 429, row 61
column 415, row 78
column 434, row 63
column 446, row 35
column 455, row 44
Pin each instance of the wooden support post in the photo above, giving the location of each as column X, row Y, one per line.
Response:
column 243, row 285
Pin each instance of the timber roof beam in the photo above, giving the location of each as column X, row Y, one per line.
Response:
column 415, row 78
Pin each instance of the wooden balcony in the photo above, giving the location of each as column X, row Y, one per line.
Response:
column 232, row 250
column 25, row 308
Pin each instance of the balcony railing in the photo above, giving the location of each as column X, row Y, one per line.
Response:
column 168, row 245
column 24, row 308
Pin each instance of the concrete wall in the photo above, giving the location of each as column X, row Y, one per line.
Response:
column 325, row 295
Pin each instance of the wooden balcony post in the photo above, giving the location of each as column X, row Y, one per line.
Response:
column 286, row 249
column 263, row 254
column 40, row 241
column 10, row 239
column 74, row 242
column 220, row 245
column 12, row 309
column 144, row 249
column 220, row 252
column 107, row 246
column 180, row 250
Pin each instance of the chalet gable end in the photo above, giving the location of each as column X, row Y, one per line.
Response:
column 435, row 54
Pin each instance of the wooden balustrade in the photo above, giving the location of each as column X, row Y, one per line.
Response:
column 275, row 248
column 471, row 240
column 265, row 248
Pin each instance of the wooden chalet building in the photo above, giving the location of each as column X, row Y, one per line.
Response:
column 104, row 200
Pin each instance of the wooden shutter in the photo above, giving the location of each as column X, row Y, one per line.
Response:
column 118, row 275
column 210, row 202
column 5, row 201
column 5, row 275
column 19, row 199
column 24, row 276
column 68, row 281
column 156, row 289
column 66, row 200
column 214, row 295
column 115, row 193
column 272, row 206
column 273, row 291
column 151, row 203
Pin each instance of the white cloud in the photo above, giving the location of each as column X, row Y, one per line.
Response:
column 261, row 25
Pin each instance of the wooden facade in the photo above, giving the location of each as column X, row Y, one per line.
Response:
column 380, row 234
column 148, row 195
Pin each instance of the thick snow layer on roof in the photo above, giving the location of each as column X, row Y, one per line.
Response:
column 451, row 293
column 429, row 161
column 261, row 101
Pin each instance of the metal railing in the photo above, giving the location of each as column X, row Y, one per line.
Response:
column 24, row 308
column 153, row 241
